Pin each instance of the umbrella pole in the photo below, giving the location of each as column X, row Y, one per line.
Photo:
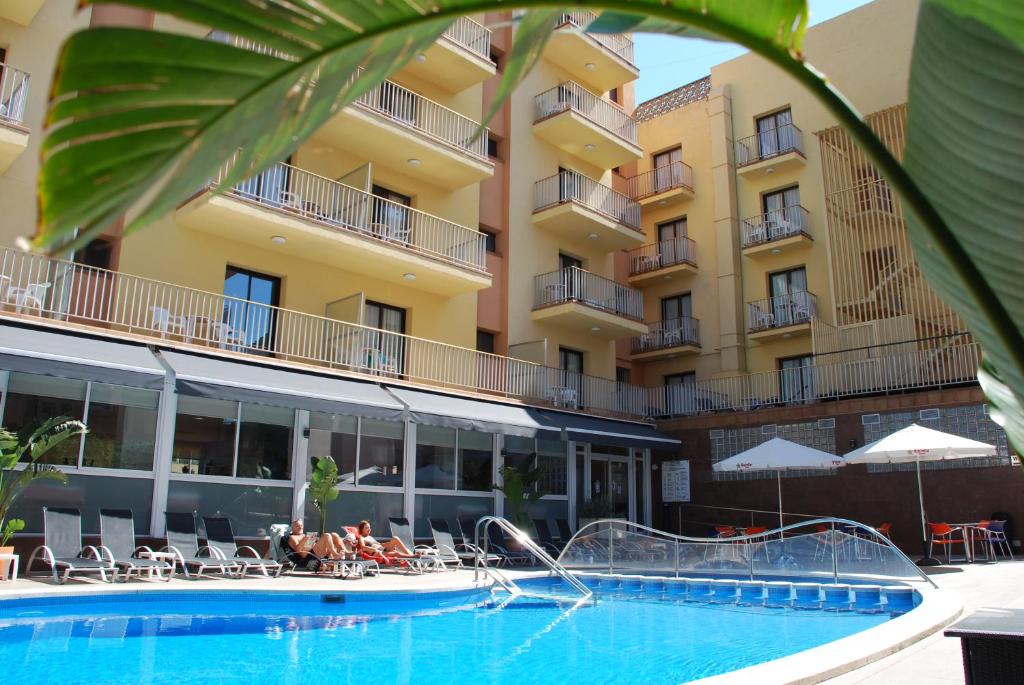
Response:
column 926, row 560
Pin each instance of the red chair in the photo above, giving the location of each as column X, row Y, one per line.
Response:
column 945, row 535
column 885, row 528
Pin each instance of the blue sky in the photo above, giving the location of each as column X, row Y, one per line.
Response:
column 667, row 62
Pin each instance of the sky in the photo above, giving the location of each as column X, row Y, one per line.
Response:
column 667, row 62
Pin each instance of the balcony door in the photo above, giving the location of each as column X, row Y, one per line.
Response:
column 788, row 291
column 781, row 212
column 680, row 395
column 269, row 187
column 249, row 318
column 671, row 246
column 775, row 133
column 571, row 364
column 676, row 314
column 796, row 380
column 384, row 348
column 390, row 215
column 667, row 174
column 572, row 279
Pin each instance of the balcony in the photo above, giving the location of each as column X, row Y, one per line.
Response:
column 583, row 124
column 73, row 296
column 20, row 11
column 671, row 184
column 663, row 260
column 588, row 303
column 600, row 60
column 783, row 316
column 775, row 149
column 460, row 58
column 13, row 100
column 582, row 210
column 667, row 339
column 312, row 217
column 775, row 232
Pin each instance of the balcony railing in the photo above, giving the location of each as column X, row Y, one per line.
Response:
column 769, row 143
column 571, row 186
column 781, row 310
column 660, row 180
column 662, row 254
column 13, row 94
column 64, row 292
column 339, row 207
column 576, row 285
column 570, row 96
column 619, row 43
column 661, row 335
column 471, row 35
column 775, row 225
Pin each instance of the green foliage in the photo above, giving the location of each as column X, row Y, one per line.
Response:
column 29, row 445
column 521, row 485
column 323, row 484
column 597, row 508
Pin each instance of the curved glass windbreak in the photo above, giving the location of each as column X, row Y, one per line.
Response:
column 825, row 549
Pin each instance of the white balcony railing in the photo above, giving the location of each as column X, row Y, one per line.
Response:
column 471, row 35
column 662, row 254
column 334, row 205
column 570, row 96
column 775, row 225
column 662, row 335
column 782, row 310
column 13, row 94
column 769, row 143
column 576, row 285
column 660, row 180
column 572, row 186
column 618, row 43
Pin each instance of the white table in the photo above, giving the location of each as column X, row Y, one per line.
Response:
column 12, row 567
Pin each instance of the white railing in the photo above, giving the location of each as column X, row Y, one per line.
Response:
column 343, row 208
column 573, row 284
column 664, row 178
column 775, row 225
column 570, row 96
column 660, row 335
column 61, row 291
column 471, row 35
column 13, row 94
column 572, row 186
column 618, row 43
column 662, row 254
column 769, row 143
column 781, row 310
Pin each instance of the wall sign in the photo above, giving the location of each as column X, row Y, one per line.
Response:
column 675, row 481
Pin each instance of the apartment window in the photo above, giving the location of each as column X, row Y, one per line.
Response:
column 775, row 133
column 492, row 146
column 676, row 308
column 780, row 207
column 571, row 363
column 796, row 379
column 384, row 352
column 613, row 95
column 485, row 341
column 97, row 253
column 250, row 315
column 390, row 214
column 685, row 378
column 667, row 174
column 622, row 374
column 490, row 240
column 498, row 58
column 569, row 262
column 789, row 300
column 671, row 246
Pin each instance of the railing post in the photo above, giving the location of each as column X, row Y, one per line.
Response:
column 835, row 555
column 677, row 558
column 611, row 543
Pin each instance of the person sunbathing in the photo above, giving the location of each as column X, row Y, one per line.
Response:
column 326, row 546
column 367, row 544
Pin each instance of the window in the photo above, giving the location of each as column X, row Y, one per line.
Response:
column 782, row 215
column 122, row 427
column 335, row 436
column 390, row 214
column 485, row 341
column 681, row 394
column 32, row 399
column 435, row 458
column 775, row 134
column 476, row 458
column 204, row 436
column 380, row 452
column 97, row 253
column 492, row 146
column 499, row 60
column 570, row 394
column 668, row 172
column 796, row 381
column 490, row 240
column 676, row 308
column 672, row 247
column 549, row 455
column 789, row 300
column 686, row 378
column 250, row 316
column 622, row 374
column 569, row 262
column 265, row 442
column 384, row 352
column 613, row 95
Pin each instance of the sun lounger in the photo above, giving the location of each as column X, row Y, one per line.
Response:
column 544, row 538
column 62, row 548
column 397, row 562
column 117, row 545
column 183, row 542
column 292, row 561
column 427, row 557
column 221, row 538
column 455, row 553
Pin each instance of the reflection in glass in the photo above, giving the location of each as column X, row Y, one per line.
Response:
column 122, row 427
column 380, row 452
column 353, row 506
column 435, row 457
column 335, row 435
column 476, row 456
column 250, row 508
column 265, row 442
column 552, row 462
column 87, row 494
column 451, row 508
column 32, row 399
column 204, row 436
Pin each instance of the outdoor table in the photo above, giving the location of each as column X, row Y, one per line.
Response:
column 992, row 641
column 12, row 567
column 968, row 530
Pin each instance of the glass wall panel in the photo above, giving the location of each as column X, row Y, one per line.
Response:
column 335, row 435
column 32, row 399
column 250, row 508
column 552, row 462
column 476, row 457
column 450, row 508
column 380, row 452
column 204, row 436
column 435, row 458
column 265, row 442
column 519, row 451
column 122, row 427
column 352, row 506
column 88, row 494
column 550, row 509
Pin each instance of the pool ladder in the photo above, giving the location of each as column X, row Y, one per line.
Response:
column 506, row 583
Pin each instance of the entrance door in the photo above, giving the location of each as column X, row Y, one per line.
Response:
column 609, row 480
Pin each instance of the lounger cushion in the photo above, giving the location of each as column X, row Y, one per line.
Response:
column 81, row 562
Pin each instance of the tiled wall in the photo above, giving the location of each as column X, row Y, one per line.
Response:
column 727, row 442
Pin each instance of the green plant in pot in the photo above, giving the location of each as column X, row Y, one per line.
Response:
column 323, row 486
column 28, row 445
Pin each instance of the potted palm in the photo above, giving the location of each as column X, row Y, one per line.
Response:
column 27, row 445
column 323, row 486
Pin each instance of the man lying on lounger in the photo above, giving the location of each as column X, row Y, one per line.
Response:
column 327, row 546
column 367, row 544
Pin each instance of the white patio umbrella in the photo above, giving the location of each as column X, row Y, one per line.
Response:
column 779, row 455
column 916, row 444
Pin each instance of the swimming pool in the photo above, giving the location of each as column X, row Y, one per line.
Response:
column 636, row 632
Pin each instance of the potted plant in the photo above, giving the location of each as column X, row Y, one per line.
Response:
column 323, row 490
column 27, row 445
column 594, row 510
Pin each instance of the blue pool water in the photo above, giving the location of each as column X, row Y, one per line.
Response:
column 302, row 638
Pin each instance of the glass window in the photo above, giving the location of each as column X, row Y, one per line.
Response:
column 519, row 451
column 250, row 508
column 352, row 506
column 249, row 317
column 87, row 494
column 32, row 399
column 204, row 436
column 98, row 253
column 122, row 427
column 435, row 457
column 551, row 460
column 490, row 240
column 265, row 442
column 485, row 341
column 451, row 508
column 335, row 436
column 380, row 452
column 476, row 457
column 796, row 379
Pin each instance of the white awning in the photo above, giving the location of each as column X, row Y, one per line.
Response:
column 437, row 409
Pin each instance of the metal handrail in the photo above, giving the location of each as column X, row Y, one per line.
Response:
column 13, row 94
column 471, row 35
column 684, row 330
column 662, row 254
column 660, row 180
column 782, row 310
column 573, row 284
column 769, row 143
column 618, row 43
column 571, row 96
column 480, row 553
column 572, row 186
column 775, row 225
column 830, row 521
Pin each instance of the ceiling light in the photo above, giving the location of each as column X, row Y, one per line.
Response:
column 769, row 170
column 595, row 328
column 662, row 202
column 412, row 161
column 776, row 250
column 667, row 277
column 591, row 66
column 278, row 239
column 592, row 236
column 421, row 57
column 409, row 276
column 589, row 147
column 787, row 336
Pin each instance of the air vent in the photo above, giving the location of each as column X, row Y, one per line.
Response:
column 929, row 414
column 717, row 434
column 826, row 423
column 870, row 420
column 770, row 429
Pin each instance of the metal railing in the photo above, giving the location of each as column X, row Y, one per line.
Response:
column 769, row 143
column 781, row 310
column 572, row 186
column 471, row 35
column 618, row 43
column 665, row 334
column 573, row 284
column 64, row 292
column 13, row 94
column 775, row 225
column 660, row 180
column 334, row 205
column 662, row 254
column 570, row 96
